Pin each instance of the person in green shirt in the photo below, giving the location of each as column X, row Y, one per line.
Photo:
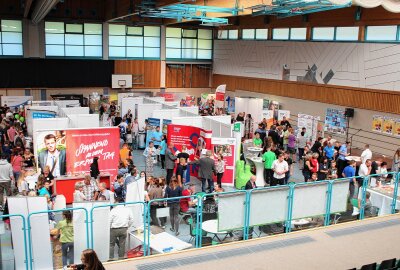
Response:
column 257, row 142
column 268, row 158
column 66, row 231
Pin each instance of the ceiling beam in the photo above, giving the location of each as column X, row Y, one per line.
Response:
column 28, row 4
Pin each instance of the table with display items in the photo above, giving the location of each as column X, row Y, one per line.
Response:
column 65, row 185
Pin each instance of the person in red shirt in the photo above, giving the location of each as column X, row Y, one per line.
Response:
column 314, row 163
column 187, row 204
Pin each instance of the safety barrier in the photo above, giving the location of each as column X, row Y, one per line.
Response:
column 245, row 203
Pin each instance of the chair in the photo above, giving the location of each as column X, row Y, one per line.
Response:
column 184, row 215
column 371, row 266
column 387, row 264
column 193, row 230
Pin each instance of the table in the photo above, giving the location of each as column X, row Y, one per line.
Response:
column 355, row 158
column 381, row 201
column 162, row 242
column 259, row 164
column 211, row 226
column 254, row 150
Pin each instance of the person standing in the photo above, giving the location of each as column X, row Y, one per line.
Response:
column 169, row 162
column 364, row 171
column 301, row 144
column 366, row 154
column 206, row 169
column 66, row 230
column 220, row 169
column 341, row 162
column 280, row 167
column 163, row 148
column 268, row 158
column 121, row 219
column 350, row 172
column 94, row 169
column 150, row 154
column 396, row 161
column 173, row 190
column 6, row 178
column 90, row 189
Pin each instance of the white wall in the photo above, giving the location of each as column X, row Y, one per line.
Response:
column 145, row 111
column 195, row 121
column 64, row 112
column 83, row 120
column 367, row 65
column 129, row 103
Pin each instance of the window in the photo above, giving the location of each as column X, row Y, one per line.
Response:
column 298, row 33
column 347, row 33
column 188, row 43
column 228, row 34
column 74, row 40
column 381, row 33
column 248, row 33
column 11, row 38
column 323, row 33
column 261, row 34
column 134, row 41
column 222, row 34
column 280, row 33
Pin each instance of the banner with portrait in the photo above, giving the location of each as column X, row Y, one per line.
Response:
column 226, row 148
column 377, row 123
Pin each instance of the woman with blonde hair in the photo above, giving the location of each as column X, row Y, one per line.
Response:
column 22, row 185
column 307, row 168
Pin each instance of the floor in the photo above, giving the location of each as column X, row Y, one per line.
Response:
column 341, row 246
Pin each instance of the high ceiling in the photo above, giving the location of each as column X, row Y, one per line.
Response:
column 170, row 12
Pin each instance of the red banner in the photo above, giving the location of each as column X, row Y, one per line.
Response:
column 85, row 144
column 226, row 148
column 195, row 139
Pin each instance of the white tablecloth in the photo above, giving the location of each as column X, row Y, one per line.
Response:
column 382, row 201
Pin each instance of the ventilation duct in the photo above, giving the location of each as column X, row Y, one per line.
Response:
column 42, row 8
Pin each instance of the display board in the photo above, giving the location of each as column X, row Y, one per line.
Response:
column 340, row 190
column 386, row 125
column 38, row 112
column 335, row 121
column 67, row 103
column 135, row 193
column 16, row 101
column 231, row 211
column 283, row 113
column 64, row 112
column 195, row 121
column 269, row 117
column 268, row 206
column 309, row 200
column 83, row 120
column 310, row 123
column 226, row 148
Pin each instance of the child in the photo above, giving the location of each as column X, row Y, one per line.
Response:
column 332, row 173
column 314, row 177
column 22, row 184
column 78, row 194
column 44, row 191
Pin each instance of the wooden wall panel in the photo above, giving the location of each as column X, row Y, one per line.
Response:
column 189, row 76
column 369, row 99
column 149, row 69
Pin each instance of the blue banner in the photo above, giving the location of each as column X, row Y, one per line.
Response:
column 36, row 115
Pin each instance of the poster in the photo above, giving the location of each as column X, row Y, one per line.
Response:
column 335, row 121
column 225, row 147
column 377, row 122
column 230, row 104
column 269, row 116
column 219, row 108
column 207, row 103
column 396, row 130
column 310, row 123
column 283, row 113
column 16, row 101
column 388, row 125
column 188, row 101
column 43, row 114
column 153, row 124
column 74, row 149
column 197, row 140
column 165, row 123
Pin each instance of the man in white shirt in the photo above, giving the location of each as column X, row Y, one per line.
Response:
column 364, row 171
column 280, row 167
column 366, row 154
column 121, row 219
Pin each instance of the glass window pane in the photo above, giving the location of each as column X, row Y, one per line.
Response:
column 173, row 42
column 189, row 53
column 173, row 53
column 323, row 33
column 72, row 39
column 222, row 34
column 117, row 30
column 174, row 32
column 152, row 31
column 280, row 33
column 381, row 33
column 12, row 49
column 54, row 27
column 189, row 43
column 189, row 33
column 205, row 44
column 74, row 28
column 93, row 29
column 248, row 33
column 134, row 41
column 1, row 49
column 134, row 52
column 298, row 33
column 135, row 31
column 10, row 37
column 54, row 38
column 94, row 51
column 204, row 33
column 347, row 33
column 233, row 34
column 116, row 51
column 261, row 33
column 74, row 51
column 152, row 42
column 204, row 54
column 152, row 52
column 0, row 39
column 54, row 50
column 11, row 26
column 117, row 41
column 93, row 40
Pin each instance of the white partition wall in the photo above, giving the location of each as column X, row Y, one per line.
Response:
column 67, row 103
column 135, row 193
column 231, row 211
column 251, row 106
column 130, row 103
column 64, row 112
column 226, row 119
column 195, row 121
column 340, row 190
column 192, row 110
column 145, row 111
column 309, row 200
column 37, row 109
column 83, row 120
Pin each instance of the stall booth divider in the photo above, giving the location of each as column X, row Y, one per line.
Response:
column 24, row 230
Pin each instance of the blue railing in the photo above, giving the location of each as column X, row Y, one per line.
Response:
column 247, row 210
